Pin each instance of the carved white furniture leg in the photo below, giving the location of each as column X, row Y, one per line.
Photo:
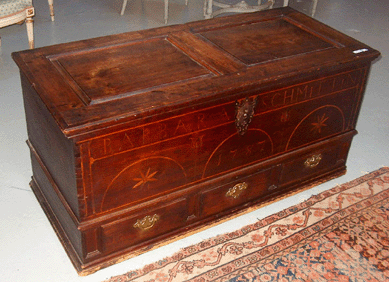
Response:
column 123, row 7
column 314, row 5
column 51, row 6
column 208, row 9
column 166, row 10
column 30, row 27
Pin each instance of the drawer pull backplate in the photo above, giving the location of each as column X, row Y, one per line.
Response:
column 313, row 161
column 235, row 191
column 147, row 222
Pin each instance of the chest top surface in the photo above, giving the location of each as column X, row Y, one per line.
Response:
column 90, row 84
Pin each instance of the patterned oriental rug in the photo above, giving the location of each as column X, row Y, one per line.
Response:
column 339, row 235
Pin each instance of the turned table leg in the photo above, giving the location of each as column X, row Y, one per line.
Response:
column 51, row 6
column 30, row 32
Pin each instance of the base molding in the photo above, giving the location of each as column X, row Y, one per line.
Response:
column 87, row 269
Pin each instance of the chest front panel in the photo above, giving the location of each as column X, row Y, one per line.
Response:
column 141, row 163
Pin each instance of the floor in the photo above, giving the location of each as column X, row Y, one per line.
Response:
column 29, row 249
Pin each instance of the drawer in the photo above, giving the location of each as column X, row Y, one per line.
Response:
column 148, row 224
column 315, row 162
column 236, row 193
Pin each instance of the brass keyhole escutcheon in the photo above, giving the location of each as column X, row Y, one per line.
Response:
column 147, row 222
column 235, row 191
column 244, row 112
column 313, row 161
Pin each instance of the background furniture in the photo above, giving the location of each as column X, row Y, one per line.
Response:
column 240, row 7
column 51, row 6
column 243, row 7
column 313, row 6
column 18, row 11
column 166, row 8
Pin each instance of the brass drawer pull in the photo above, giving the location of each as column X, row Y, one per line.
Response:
column 272, row 187
column 313, row 161
column 235, row 191
column 147, row 222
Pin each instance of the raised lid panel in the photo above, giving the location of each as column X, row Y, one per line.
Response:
column 114, row 72
column 262, row 41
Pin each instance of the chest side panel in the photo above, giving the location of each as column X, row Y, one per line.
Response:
column 141, row 163
column 56, row 154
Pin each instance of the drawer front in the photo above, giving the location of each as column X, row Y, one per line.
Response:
column 236, row 193
column 148, row 224
column 316, row 162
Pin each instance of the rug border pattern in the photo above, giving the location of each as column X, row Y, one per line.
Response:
column 296, row 239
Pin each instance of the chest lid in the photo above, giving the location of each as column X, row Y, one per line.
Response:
column 90, row 84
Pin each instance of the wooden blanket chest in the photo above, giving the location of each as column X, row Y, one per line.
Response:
column 141, row 137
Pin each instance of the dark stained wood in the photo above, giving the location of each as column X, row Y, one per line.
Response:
column 141, row 137
column 265, row 41
column 133, row 68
